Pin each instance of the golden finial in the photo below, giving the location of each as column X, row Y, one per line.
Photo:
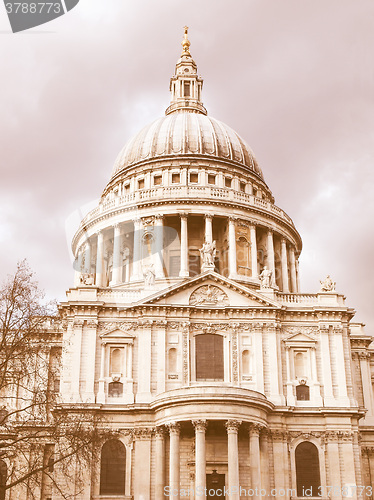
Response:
column 186, row 43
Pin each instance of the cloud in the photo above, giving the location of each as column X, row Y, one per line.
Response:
column 294, row 78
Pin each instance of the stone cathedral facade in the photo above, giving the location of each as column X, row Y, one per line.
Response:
column 187, row 329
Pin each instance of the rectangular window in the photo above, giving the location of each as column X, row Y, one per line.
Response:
column 141, row 184
column 157, row 180
column 194, row 177
column 175, row 264
column 211, row 179
column 242, row 187
column 175, row 178
column 228, row 182
column 209, row 357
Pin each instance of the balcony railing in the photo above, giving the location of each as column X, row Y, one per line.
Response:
column 184, row 192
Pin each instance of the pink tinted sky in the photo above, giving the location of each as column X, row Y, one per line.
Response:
column 294, row 78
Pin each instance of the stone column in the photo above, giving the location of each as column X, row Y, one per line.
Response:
column 159, row 246
column 117, row 264
column 232, row 249
column 78, row 268
column 160, row 463
column 87, row 257
column 142, row 465
column 293, row 270
column 232, row 427
column 174, row 468
column 253, row 251
column 285, row 287
column 255, row 464
column 100, row 259
column 200, row 456
column 184, row 273
column 334, row 462
column 101, row 392
column 270, row 258
column 367, row 390
column 76, row 359
column 136, row 254
column 264, row 459
column 208, row 229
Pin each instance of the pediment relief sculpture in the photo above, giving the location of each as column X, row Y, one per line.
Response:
column 209, row 295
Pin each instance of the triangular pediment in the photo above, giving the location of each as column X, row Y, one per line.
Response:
column 299, row 338
column 117, row 334
column 210, row 290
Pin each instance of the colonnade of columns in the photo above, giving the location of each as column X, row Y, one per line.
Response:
column 255, row 458
column 288, row 266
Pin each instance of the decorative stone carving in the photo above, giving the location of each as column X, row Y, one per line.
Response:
column 185, row 356
column 208, row 254
column 79, row 322
column 143, row 434
column 92, row 323
column 200, row 425
column 149, row 275
column 235, row 356
column 311, row 331
column 124, row 326
column 160, row 431
column 328, row 285
column 233, row 425
column 174, row 427
column 255, row 428
column 209, row 295
column 87, row 279
column 209, row 327
column 266, row 277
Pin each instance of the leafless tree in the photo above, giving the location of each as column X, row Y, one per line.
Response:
column 42, row 444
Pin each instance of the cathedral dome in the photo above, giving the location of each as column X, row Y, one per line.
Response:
column 185, row 133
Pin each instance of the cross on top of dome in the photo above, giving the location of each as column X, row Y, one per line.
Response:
column 186, row 43
column 185, row 85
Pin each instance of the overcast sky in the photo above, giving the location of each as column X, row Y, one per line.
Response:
column 294, row 78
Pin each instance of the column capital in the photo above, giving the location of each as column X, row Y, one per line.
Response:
column 208, row 216
column 160, row 431
column 174, row 427
column 232, row 219
column 233, row 425
column 255, row 428
column 200, row 425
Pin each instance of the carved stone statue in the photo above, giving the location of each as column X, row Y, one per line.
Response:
column 149, row 275
column 209, row 295
column 87, row 279
column 208, row 253
column 327, row 285
column 265, row 277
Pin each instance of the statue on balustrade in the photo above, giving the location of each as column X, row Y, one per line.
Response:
column 87, row 279
column 266, row 277
column 149, row 275
column 327, row 285
column 208, row 254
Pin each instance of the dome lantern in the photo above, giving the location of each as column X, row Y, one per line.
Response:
column 185, row 85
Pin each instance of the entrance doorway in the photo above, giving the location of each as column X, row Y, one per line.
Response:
column 215, row 485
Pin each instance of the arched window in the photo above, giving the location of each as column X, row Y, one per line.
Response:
column 113, row 468
column 209, row 357
column 172, row 359
column 148, row 241
column 116, row 361
column 302, row 393
column 245, row 362
column 3, row 478
column 307, row 470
